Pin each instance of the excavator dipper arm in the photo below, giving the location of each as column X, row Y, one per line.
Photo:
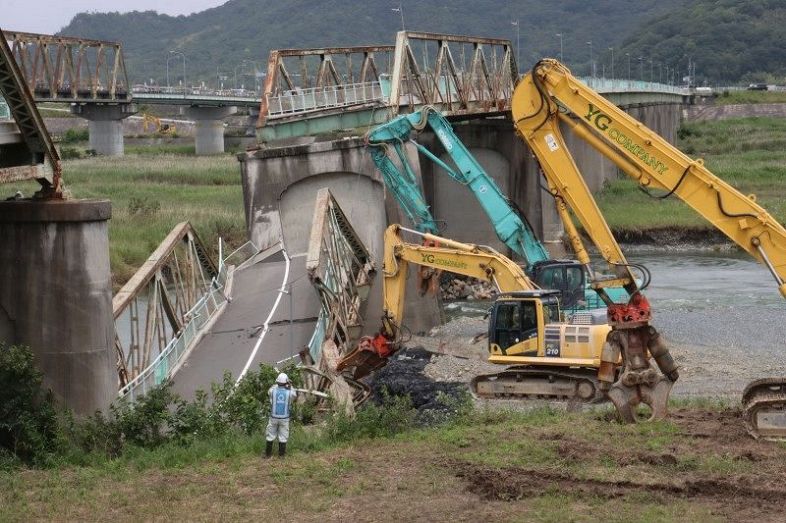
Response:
column 549, row 95
column 508, row 222
column 537, row 106
column 644, row 156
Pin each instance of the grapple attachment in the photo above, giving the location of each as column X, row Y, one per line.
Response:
column 635, row 341
column 764, row 408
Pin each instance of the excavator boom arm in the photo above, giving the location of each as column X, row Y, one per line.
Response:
column 482, row 263
column 641, row 154
column 509, row 224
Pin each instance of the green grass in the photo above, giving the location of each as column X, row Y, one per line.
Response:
column 750, row 97
column 418, row 474
column 748, row 153
column 175, row 187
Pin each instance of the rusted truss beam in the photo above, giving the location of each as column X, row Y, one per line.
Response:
column 37, row 158
column 338, row 68
column 457, row 74
column 339, row 266
column 68, row 69
column 154, row 306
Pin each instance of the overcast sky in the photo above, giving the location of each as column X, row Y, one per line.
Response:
column 49, row 16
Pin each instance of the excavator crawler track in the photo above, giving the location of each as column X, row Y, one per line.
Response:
column 531, row 382
column 764, row 408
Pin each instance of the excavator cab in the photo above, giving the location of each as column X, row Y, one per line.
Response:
column 566, row 276
column 517, row 321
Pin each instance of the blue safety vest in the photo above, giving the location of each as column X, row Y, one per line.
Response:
column 280, row 406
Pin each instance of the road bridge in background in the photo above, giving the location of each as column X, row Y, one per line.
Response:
column 91, row 76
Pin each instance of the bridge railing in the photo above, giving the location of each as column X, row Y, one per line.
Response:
column 301, row 101
column 160, row 300
column 195, row 319
column 610, row 85
column 295, row 70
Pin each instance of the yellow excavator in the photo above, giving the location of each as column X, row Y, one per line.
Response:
column 152, row 123
column 548, row 358
column 550, row 95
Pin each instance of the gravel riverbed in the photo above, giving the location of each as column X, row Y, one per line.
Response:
column 718, row 350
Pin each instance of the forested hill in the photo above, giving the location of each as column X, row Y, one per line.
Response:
column 730, row 40
column 219, row 39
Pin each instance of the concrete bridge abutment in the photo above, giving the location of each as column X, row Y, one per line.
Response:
column 56, row 296
column 280, row 185
column 105, row 125
column 209, row 132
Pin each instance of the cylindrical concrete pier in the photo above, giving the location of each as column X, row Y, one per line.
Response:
column 105, row 124
column 56, row 295
column 209, row 136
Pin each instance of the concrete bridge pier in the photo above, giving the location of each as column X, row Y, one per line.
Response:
column 56, row 295
column 253, row 118
column 105, row 124
column 209, row 127
column 511, row 165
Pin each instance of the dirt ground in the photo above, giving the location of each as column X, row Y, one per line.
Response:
column 537, row 466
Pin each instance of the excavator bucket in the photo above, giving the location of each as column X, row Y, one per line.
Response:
column 362, row 361
column 764, row 408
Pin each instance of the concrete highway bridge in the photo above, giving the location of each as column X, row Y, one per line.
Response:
column 315, row 210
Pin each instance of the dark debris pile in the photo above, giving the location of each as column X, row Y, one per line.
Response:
column 435, row 401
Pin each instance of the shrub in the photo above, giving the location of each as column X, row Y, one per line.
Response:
column 75, row 134
column 70, row 153
column 29, row 424
column 393, row 416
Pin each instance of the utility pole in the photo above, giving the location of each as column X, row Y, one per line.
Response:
column 561, row 59
column 612, row 62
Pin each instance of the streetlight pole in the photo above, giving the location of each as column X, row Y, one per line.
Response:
column 518, row 39
column 652, row 68
column 641, row 68
column 612, row 62
column 173, row 53
column 400, row 10
column 561, row 59
column 592, row 64
column 628, row 55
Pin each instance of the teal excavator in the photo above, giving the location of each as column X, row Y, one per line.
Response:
column 569, row 277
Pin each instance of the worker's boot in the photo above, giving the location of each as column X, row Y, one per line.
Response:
column 268, row 449
column 282, row 449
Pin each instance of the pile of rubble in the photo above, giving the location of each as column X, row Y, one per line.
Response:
column 403, row 376
column 455, row 287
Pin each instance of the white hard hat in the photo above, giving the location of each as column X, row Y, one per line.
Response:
column 283, row 379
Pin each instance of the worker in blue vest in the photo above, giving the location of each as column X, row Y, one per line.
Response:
column 281, row 395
